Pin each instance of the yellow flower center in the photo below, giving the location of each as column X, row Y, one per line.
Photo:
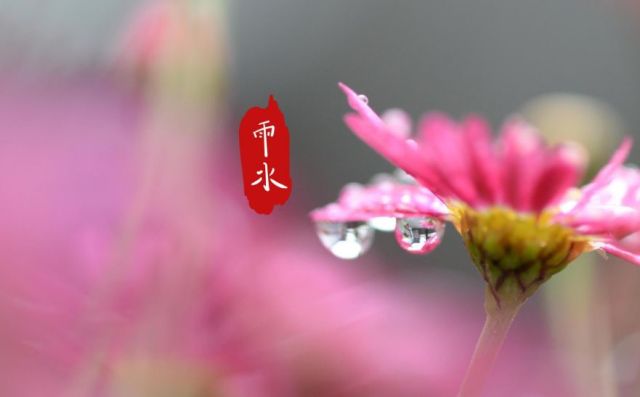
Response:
column 516, row 252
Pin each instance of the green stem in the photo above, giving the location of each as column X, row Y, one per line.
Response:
column 495, row 330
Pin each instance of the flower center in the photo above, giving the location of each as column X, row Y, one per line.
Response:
column 515, row 252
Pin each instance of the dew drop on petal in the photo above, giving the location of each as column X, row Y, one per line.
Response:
column 419, row 235
column 398, row 122
column 403, row 177
column 346, row 240
column 382, row 178
column 351, row 195
column 352, row 187
column 363, row 98
column 383, row 223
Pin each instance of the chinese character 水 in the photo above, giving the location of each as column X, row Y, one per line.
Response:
column 267, row 179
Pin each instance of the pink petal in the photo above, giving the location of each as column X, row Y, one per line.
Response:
column 611, row 207
column 442, row 144
column 606, row 174
column 561, row 171
column 359, row 105
column 403, row 153
column 523, row 155
column 483, row 163
column 616, row 221
column 382, row 199
column 621, row 252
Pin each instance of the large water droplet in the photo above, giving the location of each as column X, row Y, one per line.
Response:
column 419, row 235
column 363, row 98
column 346, row 240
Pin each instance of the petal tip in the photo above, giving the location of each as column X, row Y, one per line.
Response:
column 352, row 97
column 627, row 143
column 346, row 89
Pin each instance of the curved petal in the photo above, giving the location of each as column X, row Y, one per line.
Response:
column 382, row 199
column 392, row 143
column 607, row 174
column 607, row 220
column 620, row 251
column 610, row 206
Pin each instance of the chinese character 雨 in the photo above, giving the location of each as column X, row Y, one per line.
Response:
column 265, row 132
column 266, row 177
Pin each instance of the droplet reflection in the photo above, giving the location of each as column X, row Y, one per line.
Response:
column 346, row 240
column 419, row 235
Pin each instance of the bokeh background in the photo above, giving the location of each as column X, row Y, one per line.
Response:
column 485, row 56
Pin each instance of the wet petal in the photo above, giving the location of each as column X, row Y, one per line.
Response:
column 381, row 199
column 400, row 151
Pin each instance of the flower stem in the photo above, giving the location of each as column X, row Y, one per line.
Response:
column 499, row 317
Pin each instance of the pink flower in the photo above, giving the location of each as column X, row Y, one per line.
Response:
column 513, row 198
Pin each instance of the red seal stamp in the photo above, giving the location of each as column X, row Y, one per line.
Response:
column 264, row 152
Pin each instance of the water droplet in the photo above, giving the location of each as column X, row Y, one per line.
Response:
column 403, row 177
column 419, row 235
column 383, row 179
column 383, row 223
column 351, row 191
column 398, row 122
column 346, row 240
column 363, row 98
